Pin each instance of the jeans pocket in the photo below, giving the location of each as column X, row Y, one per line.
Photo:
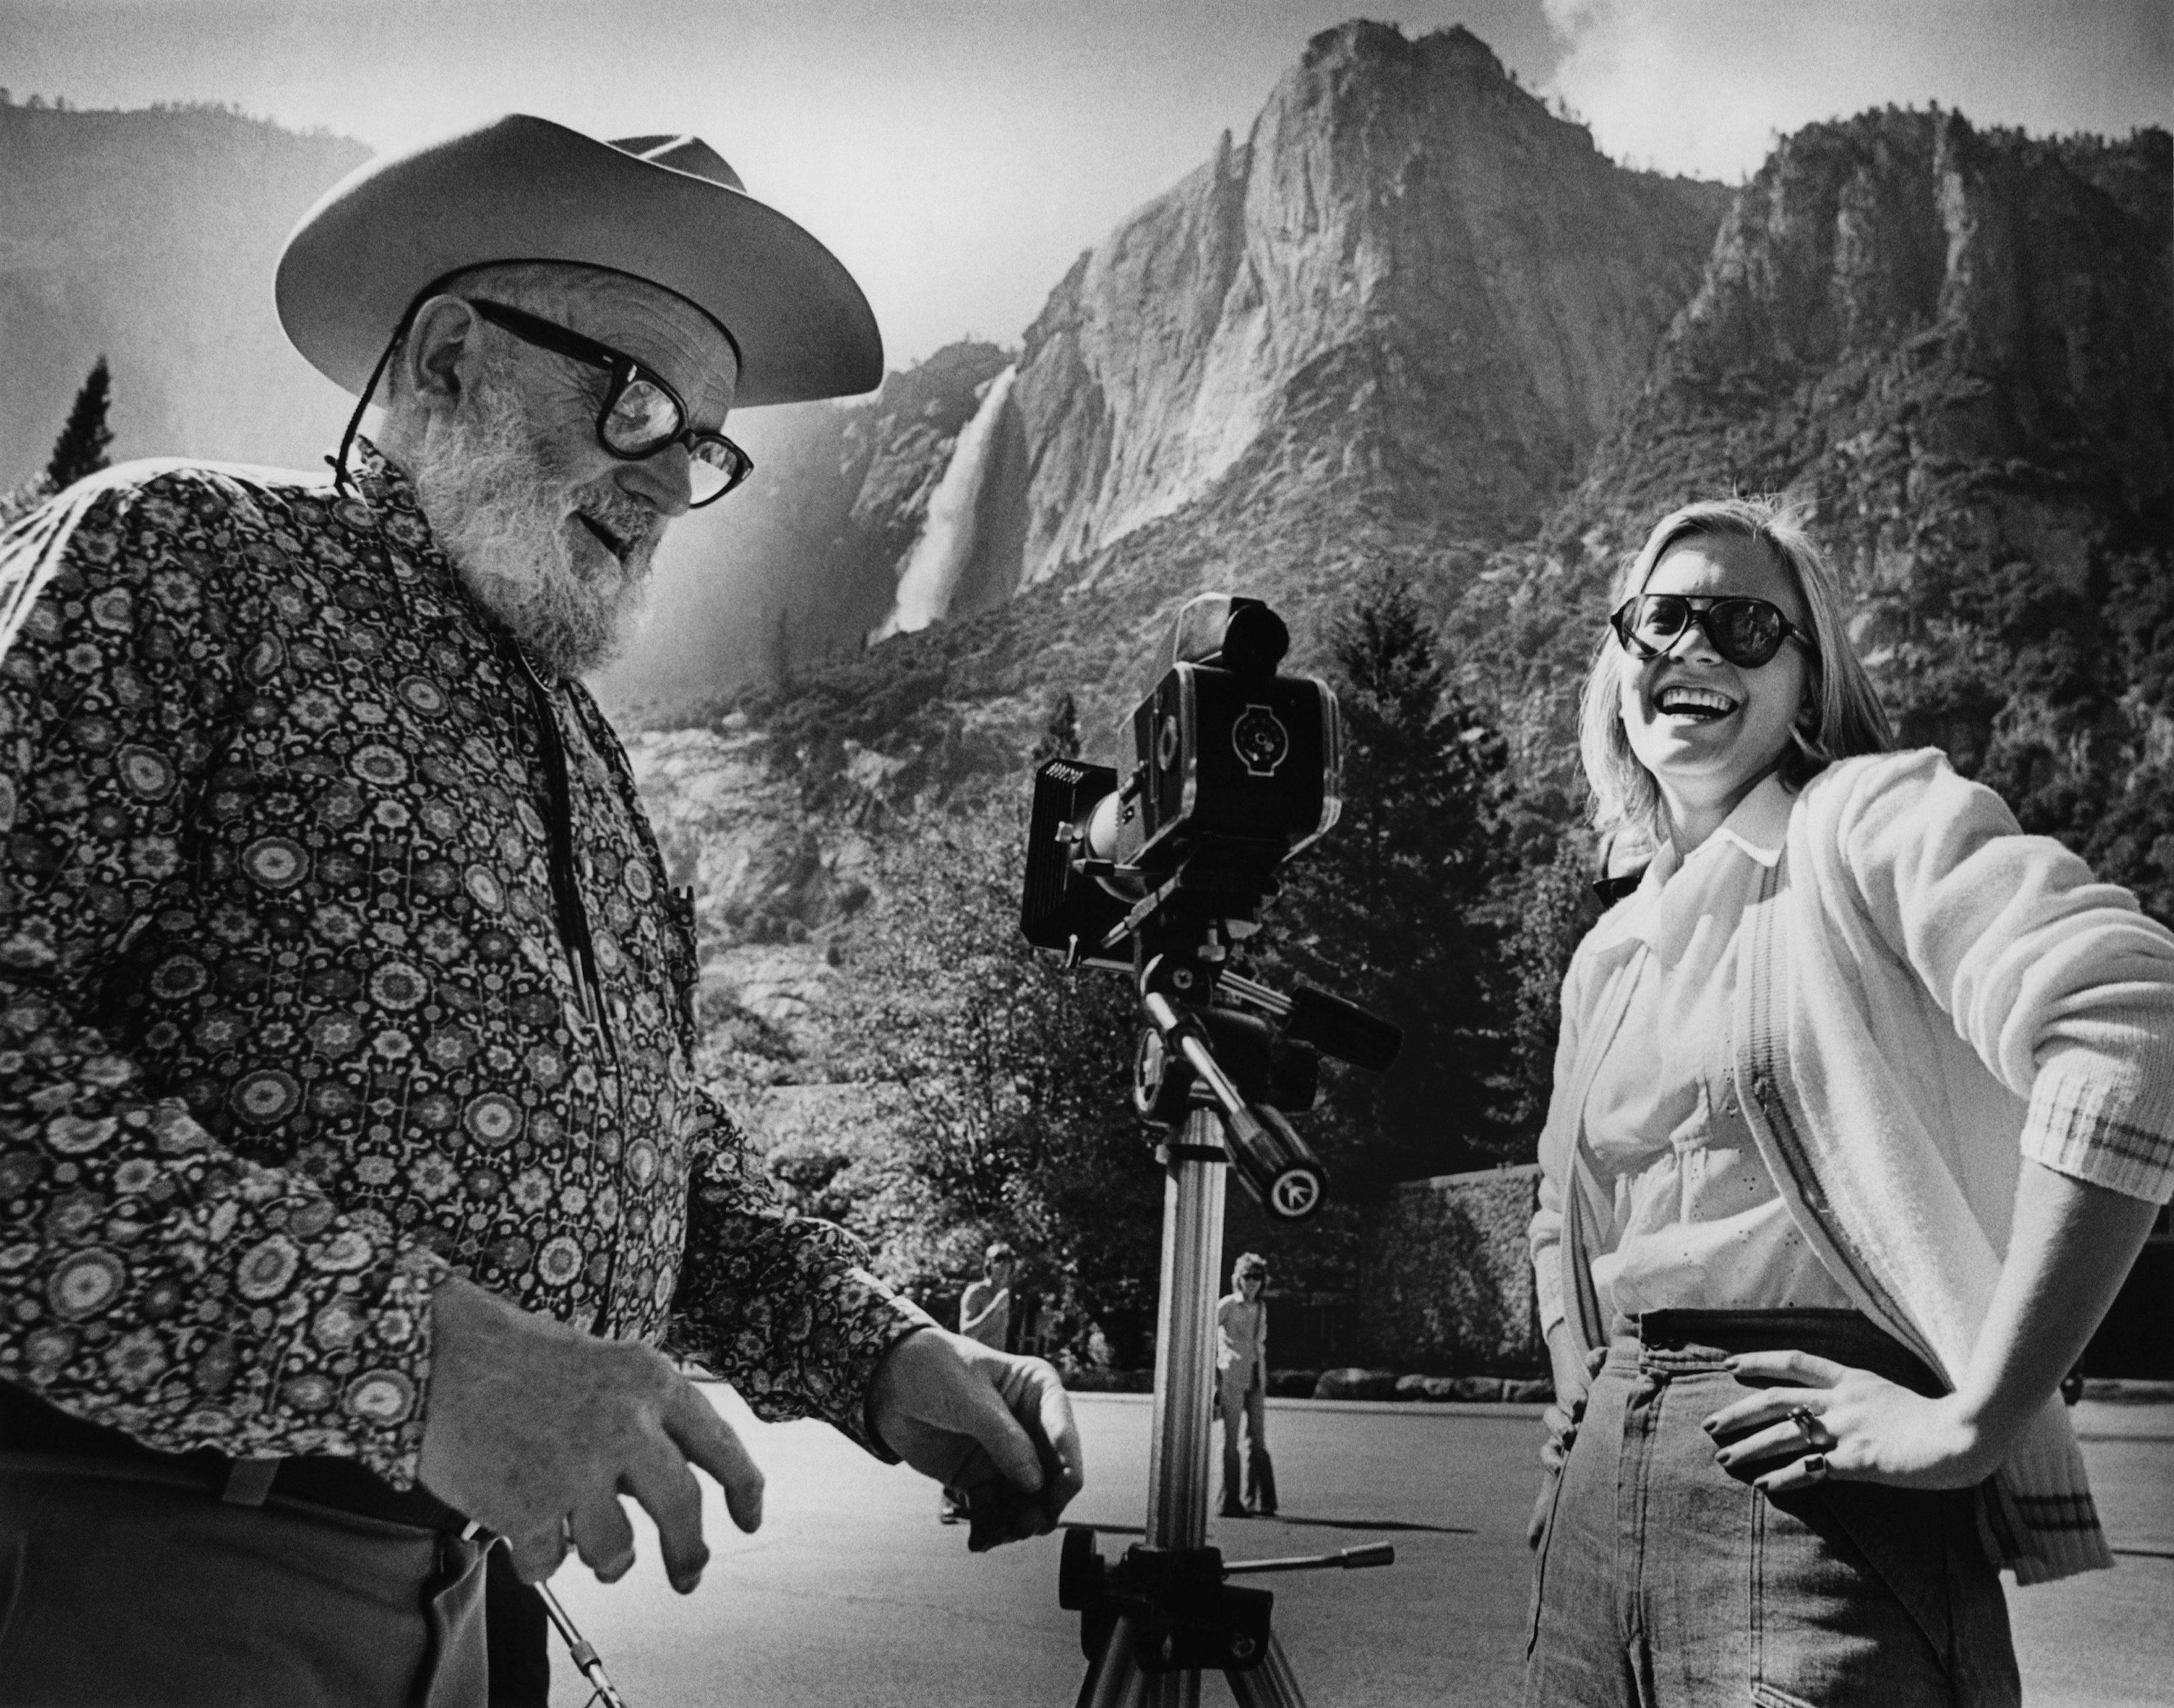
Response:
column 1849, row 1598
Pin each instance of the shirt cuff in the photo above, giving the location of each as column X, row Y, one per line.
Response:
column 2083, row 1126
column 879, row 1319
column 389, row 1405
column 1547, row 1286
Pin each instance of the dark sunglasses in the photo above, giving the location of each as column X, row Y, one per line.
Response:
column 1747, row 632
column 642, row 415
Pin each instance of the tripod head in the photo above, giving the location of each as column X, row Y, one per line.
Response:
column 1259, row 1063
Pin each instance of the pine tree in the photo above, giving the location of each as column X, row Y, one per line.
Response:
column 1555, row 907
column 1060, row 735
column 1397, row 907
column 81, row 448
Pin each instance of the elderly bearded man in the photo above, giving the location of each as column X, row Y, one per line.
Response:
column 351, row 1156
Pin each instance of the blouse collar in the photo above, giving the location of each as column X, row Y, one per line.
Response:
column 1758, row 828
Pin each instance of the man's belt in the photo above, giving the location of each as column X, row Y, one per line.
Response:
column 28, row 1424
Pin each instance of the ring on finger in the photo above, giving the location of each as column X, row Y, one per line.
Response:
column 1807, row 1423
column 1815, row 1468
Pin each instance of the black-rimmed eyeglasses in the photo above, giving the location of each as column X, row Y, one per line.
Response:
column 1745, row 631
column 641, row 414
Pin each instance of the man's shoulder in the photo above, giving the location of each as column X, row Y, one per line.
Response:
column 179, row 499
column 193, row 478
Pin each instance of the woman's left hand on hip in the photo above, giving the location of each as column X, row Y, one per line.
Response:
column 1809, row 1420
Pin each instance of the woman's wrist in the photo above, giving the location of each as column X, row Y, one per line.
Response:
column 1987, row 1423
column 1565, row 1366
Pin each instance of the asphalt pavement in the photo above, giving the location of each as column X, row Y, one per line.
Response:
column 853, row 1596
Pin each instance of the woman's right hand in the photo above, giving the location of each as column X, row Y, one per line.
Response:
column 1573, row 1376
column 1561, row 1422
column 1573, row 1379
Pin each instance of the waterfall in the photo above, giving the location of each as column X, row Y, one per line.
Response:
column 946, row 546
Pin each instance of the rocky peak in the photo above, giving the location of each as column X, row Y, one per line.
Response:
column 2021, row 287
column 1409, row 271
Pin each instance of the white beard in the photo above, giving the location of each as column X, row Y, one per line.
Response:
column 487, row 490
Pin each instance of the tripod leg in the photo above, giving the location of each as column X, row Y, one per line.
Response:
column 1173, row 1690
column 1185, row 1345
column 1272, row 1685
column 1113, row 1679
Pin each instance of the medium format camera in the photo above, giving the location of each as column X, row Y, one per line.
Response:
column 1234, row 768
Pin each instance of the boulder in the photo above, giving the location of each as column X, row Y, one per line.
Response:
column 1351, row 1383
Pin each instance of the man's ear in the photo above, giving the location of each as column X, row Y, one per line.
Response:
column 442, row 356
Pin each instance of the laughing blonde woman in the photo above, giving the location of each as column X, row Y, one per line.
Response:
column 1862, row 1111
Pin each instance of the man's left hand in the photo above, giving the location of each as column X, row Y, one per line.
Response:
column 995, row 1428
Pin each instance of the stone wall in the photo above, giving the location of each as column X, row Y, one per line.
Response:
column 1446, row 1281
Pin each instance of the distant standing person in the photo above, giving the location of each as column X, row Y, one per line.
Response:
column 985, row 1314
column 1241, row 1379
column 985, row 1310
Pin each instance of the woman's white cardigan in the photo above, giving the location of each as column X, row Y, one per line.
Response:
column 1925, row 996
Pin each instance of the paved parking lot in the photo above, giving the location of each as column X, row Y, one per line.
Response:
column 852, row 1596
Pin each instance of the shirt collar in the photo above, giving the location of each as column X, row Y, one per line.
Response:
column 383, row 488
column 1759, row 827
column 382, row 481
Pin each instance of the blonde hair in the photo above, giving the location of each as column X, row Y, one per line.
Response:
column 1843, row 714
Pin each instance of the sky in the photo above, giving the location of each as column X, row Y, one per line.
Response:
column 959, row 155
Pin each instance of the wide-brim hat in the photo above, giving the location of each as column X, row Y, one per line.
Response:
column 667, row 210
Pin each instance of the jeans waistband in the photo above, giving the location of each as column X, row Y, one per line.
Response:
column 1689, row 1342
column 28, row 1424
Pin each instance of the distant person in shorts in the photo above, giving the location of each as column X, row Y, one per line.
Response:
column 1241, row 1386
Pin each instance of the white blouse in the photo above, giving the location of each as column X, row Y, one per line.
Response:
column 1696, row 1222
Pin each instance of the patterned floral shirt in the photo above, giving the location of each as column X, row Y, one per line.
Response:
column 288, row 1030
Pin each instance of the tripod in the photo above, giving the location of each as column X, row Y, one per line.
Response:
column 1152, row 1623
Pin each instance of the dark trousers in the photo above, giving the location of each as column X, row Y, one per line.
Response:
column 1665, row 1582
column 123, row 1585
column 132, row 1577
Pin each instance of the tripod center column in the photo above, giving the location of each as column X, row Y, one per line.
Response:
column 1185, row 1341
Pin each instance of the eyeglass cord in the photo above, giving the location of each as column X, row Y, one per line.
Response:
column 342, row 476
column 565, row 887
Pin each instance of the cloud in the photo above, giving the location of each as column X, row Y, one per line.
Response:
column 1704, row 86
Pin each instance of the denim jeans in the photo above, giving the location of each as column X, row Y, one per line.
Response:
column 1662, row 1580
column 1250, row 1401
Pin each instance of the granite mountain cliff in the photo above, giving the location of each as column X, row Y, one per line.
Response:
column 1411, row 290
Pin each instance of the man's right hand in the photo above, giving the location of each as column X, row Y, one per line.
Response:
column 534, row 1429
